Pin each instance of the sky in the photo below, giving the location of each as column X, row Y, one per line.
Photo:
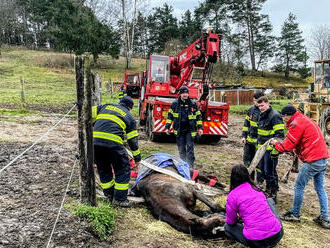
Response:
column 309, row 13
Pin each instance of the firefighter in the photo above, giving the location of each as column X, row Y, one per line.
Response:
column 270, row 125
column 187, row 121
column 250, row 130
column 112, row 123
column 122, row 92
column 305, row 138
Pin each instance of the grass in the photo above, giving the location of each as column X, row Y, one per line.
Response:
column 49, row 76
column 101, row 218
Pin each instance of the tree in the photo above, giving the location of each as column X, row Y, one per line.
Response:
column 247, row 14
column 304, row 71
column 162, row 27
column 320, row 42
column 214, row 14
column 264, row 42
column 290, row 45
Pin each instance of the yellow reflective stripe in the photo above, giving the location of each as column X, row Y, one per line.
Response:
column 136, row 152
column 251, row 140
column 191, row 117
column 113, row 118
column 121, row 186
column 175, row 132
column 108, row 184
column 265, row 132
column 198, row 112
column 253, row 124
column 247, row 118
column 176, row 115
column 193, row 134
column 199, row 122
column 278, row 127
column 116, row 109
column 170, row 111
column 245, row 129
column 94, row 112
column 168, row 121
column 132, row 134
column 107, row 136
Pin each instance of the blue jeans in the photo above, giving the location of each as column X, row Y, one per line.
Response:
column 315, row 170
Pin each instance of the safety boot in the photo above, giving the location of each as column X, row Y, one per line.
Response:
column 124, row 204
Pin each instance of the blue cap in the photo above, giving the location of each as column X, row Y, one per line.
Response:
column 184, row 89
column 127, row 102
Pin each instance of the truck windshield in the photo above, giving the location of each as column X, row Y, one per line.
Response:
column 159, row 68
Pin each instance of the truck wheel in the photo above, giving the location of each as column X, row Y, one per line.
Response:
column 150, row 126
column 325, row 124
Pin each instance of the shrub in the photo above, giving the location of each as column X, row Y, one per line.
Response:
column 101, row 218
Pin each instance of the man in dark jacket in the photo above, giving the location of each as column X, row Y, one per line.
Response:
column 250, row 130
column 270, row 125
column 187, row 121
column 305, row 138
column 112, row 123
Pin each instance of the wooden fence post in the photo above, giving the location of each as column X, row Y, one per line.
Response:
column 97, row 90
column 85, row 137
column 23, row 105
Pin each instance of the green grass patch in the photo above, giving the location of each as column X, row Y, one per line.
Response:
column 17, row 112
column 100, row 218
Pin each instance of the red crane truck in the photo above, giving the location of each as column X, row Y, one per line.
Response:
column 160, row 83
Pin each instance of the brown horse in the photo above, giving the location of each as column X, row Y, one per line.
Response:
column 173, row 201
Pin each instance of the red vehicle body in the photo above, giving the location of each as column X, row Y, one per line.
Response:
column 160, row 83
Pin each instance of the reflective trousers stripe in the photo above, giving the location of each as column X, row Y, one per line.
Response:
column 121, row 186
column 108, row 184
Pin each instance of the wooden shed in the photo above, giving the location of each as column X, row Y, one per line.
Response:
column 232, row 96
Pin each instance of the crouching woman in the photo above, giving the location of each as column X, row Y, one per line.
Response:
column 261, row 225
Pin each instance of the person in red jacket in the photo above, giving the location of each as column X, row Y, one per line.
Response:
column 305, row 138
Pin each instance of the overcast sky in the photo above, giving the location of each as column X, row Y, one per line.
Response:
column 309, row 13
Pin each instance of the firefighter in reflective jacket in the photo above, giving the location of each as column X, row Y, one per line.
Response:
column 250, row 130
column 122, row 92
column 112, row 123
column 187, row 121
column 270, row 124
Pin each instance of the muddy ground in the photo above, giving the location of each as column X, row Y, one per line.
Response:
column 31, row 191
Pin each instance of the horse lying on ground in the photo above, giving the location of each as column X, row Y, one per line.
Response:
column 173, row 201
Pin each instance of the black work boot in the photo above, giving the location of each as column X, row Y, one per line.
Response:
column 124, row 204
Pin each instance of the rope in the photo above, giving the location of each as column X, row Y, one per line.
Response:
column 40, row 138
column 59, row 211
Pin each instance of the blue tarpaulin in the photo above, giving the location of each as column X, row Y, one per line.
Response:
column 163, row 160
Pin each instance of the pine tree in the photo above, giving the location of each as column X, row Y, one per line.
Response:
column 290, row 45
column 247, row 14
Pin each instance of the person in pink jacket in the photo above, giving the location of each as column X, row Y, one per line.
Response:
column 261, row 224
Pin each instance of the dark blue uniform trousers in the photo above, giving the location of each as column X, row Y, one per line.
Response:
column 267, row 167
column 109, row 160
column 186, row 147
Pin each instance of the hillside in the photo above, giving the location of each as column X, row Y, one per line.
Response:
column 50, row 80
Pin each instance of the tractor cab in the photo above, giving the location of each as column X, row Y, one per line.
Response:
column 132, row 84
column 321, row 85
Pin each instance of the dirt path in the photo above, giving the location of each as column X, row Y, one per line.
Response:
column 31, row 191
